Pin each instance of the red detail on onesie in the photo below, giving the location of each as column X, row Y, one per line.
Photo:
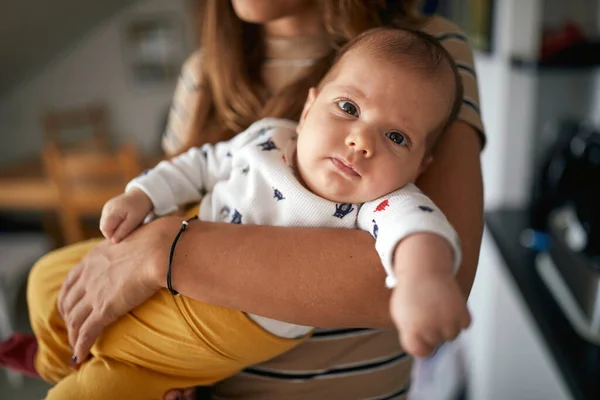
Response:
column 383, row 205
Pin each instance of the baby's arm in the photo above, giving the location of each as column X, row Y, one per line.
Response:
column 186, row 178
column 426, row 305
column 159, row 190
column 183, row 179
column 122, row 214
column 420, row 252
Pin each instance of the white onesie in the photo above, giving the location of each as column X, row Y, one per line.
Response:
column 251, row 180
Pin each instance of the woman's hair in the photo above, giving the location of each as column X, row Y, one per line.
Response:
column 235, row 95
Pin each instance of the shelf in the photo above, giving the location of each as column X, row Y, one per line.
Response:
column 582, row 56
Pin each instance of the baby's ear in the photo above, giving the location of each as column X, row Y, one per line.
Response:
column 427, row 160
column 310, row 99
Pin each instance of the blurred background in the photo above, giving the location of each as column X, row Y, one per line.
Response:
column 98, row 77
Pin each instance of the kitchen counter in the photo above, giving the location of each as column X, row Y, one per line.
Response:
column 577, row 360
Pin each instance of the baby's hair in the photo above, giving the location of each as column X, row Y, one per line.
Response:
column 410, row 48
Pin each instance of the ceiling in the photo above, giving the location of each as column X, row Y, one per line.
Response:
column 33, row 31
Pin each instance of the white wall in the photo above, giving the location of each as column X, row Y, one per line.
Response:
column 506, row 105
column 94, row 69
column 492, row 74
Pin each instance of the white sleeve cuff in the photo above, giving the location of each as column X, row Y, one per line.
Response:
column 159, row 194
column 407, row 211
column 388, row 241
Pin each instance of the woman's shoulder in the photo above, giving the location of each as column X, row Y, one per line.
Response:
column 451, row 36
column 191, row 71
column 453, row 39
column 194, row 59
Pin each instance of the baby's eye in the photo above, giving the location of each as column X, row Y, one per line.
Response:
column 397, row 138
column 348, row 107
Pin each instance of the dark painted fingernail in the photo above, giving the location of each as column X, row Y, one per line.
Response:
column 74, row 359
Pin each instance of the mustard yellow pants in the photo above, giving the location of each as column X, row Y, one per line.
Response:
column 168, row 342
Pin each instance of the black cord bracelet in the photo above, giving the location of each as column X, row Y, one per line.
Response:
column 184, row 225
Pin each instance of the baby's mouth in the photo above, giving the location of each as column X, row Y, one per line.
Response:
column 344, row 167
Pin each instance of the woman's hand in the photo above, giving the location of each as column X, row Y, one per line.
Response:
column 111, row 280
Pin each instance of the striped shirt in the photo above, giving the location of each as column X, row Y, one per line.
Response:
column 335, row 363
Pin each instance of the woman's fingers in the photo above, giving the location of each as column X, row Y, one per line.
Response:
column 110, row 280
column 75, row 318
column 71, row 299
column 88, row 333
column 70, row 280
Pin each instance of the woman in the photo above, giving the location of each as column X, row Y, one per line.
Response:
column 258, row 59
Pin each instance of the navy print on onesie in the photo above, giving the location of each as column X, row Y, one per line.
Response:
column 426, row 209
column 278, row 195
column 237, row 217
column 375, row 229
column 268, row 145
column 264, row 130
column 341, row 210
column 225, row 211
column 245, row 170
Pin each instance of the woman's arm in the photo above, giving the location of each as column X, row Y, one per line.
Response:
column 317, row 277
column 454, row 183
column 323, row 277
column 312, row 276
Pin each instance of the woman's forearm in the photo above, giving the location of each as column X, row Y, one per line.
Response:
column 319, row 277
column 454, row 183
column 309, row 276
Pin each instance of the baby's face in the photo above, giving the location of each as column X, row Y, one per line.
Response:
column 363, row 135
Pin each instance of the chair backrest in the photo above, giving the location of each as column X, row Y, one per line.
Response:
column 85, row 180
column 84, row 127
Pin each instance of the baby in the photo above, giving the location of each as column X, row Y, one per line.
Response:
column 364, row 136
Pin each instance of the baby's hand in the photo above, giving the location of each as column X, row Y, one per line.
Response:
column 122, row 214
column 428, row 308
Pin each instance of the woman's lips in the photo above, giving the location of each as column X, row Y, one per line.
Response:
column 344, row 167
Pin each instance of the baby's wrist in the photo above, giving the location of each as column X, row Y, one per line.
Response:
column 422, row 254
column 141, row 200
column 422, row 271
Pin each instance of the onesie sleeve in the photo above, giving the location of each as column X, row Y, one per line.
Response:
column 404, row 212
column 187, row 177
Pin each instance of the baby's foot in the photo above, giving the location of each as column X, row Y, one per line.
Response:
column 17, row 353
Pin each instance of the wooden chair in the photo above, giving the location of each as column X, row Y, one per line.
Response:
column 78, row 127
column 85, row 180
